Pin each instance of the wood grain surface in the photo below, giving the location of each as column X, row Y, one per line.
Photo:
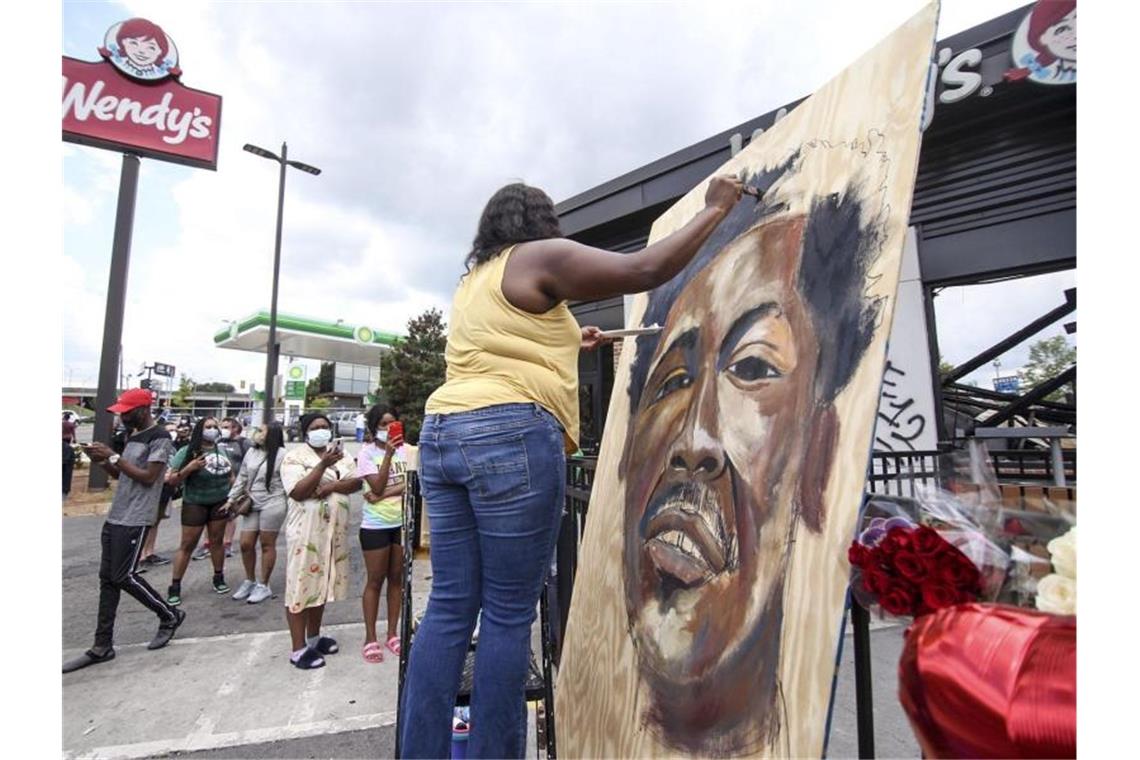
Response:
column 859, row 130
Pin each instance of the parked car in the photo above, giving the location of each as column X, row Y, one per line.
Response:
column 346, row 424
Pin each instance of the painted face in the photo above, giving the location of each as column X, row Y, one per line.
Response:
column 718, row 435
column 142, row 51
column 1061, row 38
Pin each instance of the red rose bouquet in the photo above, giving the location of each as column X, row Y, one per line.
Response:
column 914, row 557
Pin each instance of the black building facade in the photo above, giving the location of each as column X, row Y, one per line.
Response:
column 995, row 198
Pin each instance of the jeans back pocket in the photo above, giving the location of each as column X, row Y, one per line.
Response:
column 500, row 469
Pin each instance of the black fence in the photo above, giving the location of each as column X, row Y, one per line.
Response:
column 1033, row 465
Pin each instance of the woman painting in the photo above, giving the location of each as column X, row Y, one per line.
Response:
column 317, row 477
column 493, row 451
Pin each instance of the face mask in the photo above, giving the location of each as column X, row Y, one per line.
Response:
column 318, row 439
column 382, row 436
column 211, row 434
column 226, row 434
column 259, row 438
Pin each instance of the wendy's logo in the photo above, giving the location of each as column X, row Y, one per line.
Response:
column 141, row 50
column 1044, row 47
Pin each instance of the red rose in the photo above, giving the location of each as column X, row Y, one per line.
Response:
column 910, row 566
column 938, row 595
column 878, row 558
column 858, row 555
column 896, row 540
column 899, row 598
column 957, row 570
column 927, row 542
column 875, row 581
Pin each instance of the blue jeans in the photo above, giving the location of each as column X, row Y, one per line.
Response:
column 494, row 482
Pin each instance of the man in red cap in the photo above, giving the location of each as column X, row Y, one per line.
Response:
column 139, row 470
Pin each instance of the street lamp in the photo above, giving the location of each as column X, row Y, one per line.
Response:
column 271, row 349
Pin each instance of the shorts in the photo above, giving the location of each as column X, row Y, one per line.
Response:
column 197, row 515
column 269, row 519
column 378, row 538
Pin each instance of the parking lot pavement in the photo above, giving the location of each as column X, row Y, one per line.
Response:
column 224, row 688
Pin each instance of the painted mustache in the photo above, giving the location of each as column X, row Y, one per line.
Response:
column 685, row 535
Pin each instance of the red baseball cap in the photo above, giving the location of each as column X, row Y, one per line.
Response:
column 131, row 399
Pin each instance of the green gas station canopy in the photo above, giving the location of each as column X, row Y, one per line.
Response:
column 307, row 338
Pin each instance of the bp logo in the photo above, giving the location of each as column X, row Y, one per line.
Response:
column 296, row 372
column 363, row 334
column 141, row 50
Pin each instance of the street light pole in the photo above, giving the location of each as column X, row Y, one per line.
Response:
column 271, row 350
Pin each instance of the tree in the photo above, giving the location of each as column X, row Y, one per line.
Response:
column 1048, row 358
column 412, row 370
column 180, row 399
column 214, row 388
column 312, row 390
column 318, row 403
column 944, row 369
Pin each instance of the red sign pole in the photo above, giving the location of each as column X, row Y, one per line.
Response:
column 116, row 306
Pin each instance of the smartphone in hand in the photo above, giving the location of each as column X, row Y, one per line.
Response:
column 396, row 433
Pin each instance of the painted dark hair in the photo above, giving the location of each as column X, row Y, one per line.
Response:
column 375, row 414
column 274, row 442
column 515, row 214
column 838, row 251
column 140, row 27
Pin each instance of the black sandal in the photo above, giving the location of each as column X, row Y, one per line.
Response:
column 88, row 658
column 308, row 660
column 327, row 645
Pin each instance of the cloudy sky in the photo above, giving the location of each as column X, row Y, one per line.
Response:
column 416, row 114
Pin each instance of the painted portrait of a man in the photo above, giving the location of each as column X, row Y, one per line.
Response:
column 712, row 579
column 728, row 452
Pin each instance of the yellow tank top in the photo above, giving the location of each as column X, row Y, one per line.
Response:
column 500, row 354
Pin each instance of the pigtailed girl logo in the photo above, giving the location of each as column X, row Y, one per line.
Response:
column 141, row 50
column 1044, row 47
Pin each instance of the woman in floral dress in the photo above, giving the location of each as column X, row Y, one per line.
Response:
column 317, row 477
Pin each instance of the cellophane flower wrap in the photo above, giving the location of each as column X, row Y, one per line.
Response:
column 913, row 556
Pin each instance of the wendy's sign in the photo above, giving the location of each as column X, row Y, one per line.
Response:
column 133, row 102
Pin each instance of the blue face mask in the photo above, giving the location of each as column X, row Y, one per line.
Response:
column 319, row 438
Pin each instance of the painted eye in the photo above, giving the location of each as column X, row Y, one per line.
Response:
column 752, row 368
column 674, row 381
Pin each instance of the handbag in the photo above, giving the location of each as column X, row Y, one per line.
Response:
column 243, row 505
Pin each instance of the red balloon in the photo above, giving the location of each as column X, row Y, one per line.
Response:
column 987, row 680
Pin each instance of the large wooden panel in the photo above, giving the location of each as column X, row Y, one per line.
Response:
column 709, row 597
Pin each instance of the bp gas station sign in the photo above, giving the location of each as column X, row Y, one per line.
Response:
column 295, row 382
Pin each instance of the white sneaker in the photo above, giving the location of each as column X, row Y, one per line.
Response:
column 260, row 593
column 244, row 589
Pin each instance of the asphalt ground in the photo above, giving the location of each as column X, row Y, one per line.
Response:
column 224, row 689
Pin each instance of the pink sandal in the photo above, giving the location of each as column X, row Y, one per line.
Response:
column 394, row 645
column 373, row 652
